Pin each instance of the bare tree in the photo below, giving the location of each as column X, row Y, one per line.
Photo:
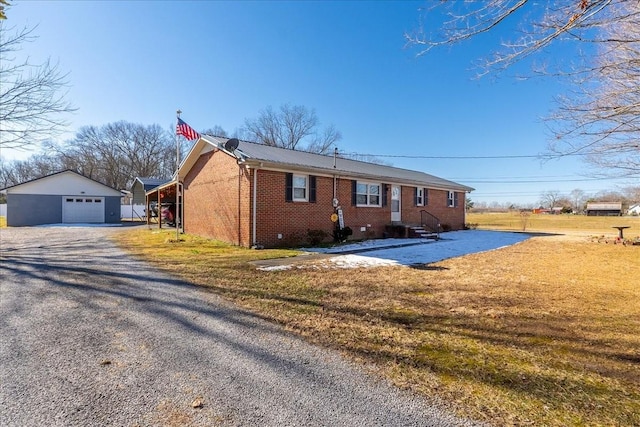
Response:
column 600, row 119
column 116, row 153
column 577, row 200
column 550, row 198
column 633, row 194
column 32, row 96
column 217, row 130
column 19, row 171
column 294, row 127
column 540, row 25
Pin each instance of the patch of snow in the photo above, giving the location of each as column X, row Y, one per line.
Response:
column 275, row 268
column 396, row 252
column 354, row 261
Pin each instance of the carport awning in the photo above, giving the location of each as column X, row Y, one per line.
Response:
column 167, row 192
column 170, row 194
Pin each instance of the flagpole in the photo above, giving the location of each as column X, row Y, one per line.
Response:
column 175, row 219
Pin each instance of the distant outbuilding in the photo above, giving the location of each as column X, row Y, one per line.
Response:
column 141, row 185
column 62, row 197
column 604, row 209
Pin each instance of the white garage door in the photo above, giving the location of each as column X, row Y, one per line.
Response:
column 82, row 209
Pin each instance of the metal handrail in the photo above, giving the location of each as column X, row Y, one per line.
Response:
column 430, row 222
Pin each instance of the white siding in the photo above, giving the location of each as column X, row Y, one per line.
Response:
column 62, row 184
column 82, row 209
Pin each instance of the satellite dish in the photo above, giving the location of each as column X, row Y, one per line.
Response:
column 231, row 144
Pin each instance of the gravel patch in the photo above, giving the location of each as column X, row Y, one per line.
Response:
column 92, row 337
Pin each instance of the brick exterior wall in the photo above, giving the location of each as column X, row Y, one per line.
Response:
column 292, row 219
column 217, row 204
column 216, row 199
column 437, row 205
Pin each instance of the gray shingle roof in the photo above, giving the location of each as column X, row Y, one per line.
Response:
column 150, row 183
column 345, row 167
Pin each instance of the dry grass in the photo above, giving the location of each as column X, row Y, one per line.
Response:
column 545, row 332
column 594, row 225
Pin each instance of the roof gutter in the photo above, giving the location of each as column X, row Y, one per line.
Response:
column 342, row 173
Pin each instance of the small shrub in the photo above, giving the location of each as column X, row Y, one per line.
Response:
column 295, row 239
column 471, row 226
column 340, row 235
column 315, row 237
column 446, row 227
column 371, row 233
column 524, row 219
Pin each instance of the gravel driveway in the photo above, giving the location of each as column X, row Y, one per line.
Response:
column 92, row 337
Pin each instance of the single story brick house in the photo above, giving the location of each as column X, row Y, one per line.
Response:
column 62, row 197
column 251, row 194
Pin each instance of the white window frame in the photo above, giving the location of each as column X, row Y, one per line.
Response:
column 369, row 194
column 451, row 199
column 294, row 187
column 419, row 196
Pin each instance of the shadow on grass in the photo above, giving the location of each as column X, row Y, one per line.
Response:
column 428, row 267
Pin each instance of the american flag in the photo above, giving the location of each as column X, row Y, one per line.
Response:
column 185, row 130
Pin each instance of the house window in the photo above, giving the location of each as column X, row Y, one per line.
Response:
column 452, row 199
column 419, row 196
column 299, row 188
column 367, row 194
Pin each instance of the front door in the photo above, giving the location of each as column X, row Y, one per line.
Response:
column 395, row 204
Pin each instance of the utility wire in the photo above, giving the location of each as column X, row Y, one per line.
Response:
column 506, row 156
column 524, row 156
column 533, row 181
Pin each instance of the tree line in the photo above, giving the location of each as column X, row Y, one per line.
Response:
column 113, row 154
column 574, row 201
column 116, row 153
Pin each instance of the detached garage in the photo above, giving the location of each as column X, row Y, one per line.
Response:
column 63, row 197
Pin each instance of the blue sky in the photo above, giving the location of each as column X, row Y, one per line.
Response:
column 223, row 62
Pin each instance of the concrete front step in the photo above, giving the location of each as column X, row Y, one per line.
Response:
column 420, row 232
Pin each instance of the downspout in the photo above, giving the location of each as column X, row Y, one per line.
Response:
column 254, row 203
column 335, row 156
column 239, row 205
column 464, row 224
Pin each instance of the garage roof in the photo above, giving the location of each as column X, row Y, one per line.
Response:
column 66, row 182
column 151, row 183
